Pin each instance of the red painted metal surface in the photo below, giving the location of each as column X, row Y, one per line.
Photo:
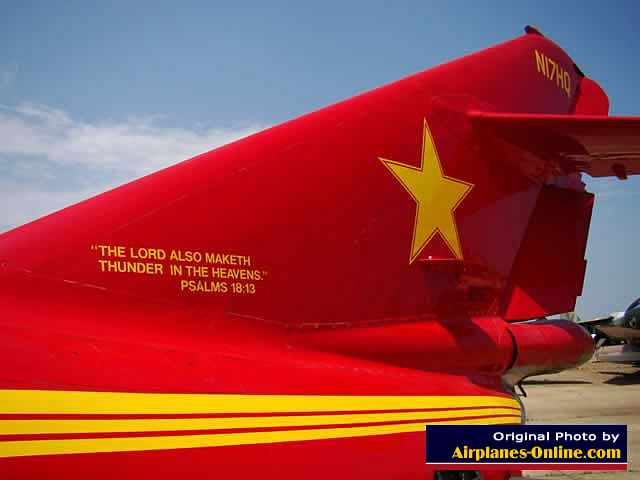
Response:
column 302, row 278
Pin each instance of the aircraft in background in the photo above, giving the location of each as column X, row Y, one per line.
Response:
column 301, row 302
column 617, row 335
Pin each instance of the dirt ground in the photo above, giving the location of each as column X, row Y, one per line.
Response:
column 597, row 392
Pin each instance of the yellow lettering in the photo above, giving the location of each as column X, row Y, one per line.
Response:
column 186, row 256
column 219, row 287
column 227, row 259
column 552, row 72
column 540, row 64
column 148, row 253
column 146, row 261
column 111, row 251
column 121, row 266
column 559, row 76
column 197, row 271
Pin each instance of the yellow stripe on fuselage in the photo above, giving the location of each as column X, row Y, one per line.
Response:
column 293, row 411
column 66, row 426
column 130, row 444
column 115, row 403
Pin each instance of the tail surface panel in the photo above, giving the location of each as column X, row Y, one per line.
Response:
column 425, row 198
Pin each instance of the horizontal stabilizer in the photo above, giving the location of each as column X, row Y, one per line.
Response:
column 595, row 144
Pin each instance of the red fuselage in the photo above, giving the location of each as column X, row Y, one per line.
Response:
column 300, row 303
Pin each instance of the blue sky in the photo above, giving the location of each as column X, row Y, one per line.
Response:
column 94, row 95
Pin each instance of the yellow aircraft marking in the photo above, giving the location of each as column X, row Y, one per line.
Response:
column 129, row 444
column 56, row 402
column 118, row 403
column 436, row 196
column 70, row 426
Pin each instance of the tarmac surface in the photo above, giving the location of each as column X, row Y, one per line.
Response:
column 597, row 392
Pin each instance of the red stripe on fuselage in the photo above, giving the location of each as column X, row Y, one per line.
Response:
column 106, row 416
column 66, row 436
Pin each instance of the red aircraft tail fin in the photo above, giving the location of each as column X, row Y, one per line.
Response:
column 591, row 99
column 549, row 268
column 407, row 202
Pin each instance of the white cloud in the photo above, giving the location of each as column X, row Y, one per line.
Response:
column 49, row 160
column 135, row 145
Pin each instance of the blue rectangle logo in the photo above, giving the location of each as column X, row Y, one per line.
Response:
column 527, row 447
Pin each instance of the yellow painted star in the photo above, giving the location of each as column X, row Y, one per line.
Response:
column 436, row 196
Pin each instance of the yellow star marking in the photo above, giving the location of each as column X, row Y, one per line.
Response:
column 436, row 196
